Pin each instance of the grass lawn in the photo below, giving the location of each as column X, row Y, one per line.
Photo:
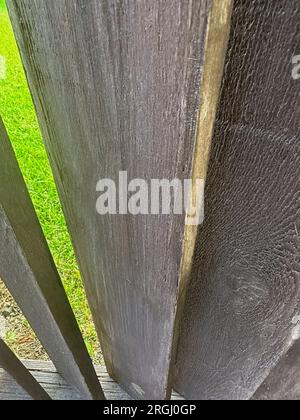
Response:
column 18, row 113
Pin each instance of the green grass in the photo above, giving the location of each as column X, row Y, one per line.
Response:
column 17, row 111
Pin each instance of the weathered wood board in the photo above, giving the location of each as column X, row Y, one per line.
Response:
column 21, row 375
column 46, row 374
column 117, row 87
column 283, row 382
column 28, row 271
column 244, row 295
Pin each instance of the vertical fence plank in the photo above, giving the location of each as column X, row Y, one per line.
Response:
column 21, row 375
column 116, row 87
column 239, row 317
column 28, row 270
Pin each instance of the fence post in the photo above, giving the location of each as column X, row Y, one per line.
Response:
column 241, row 316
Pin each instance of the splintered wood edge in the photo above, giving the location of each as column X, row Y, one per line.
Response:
column 216, row 43
column 214, row 61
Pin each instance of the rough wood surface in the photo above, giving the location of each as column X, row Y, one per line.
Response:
column 116, row 87
column 46, row 374
column 28, row 271
column 21, row 375
column 244, row 296
column 283, row 382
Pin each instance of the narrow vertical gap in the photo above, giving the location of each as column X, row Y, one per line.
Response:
column 217, row 38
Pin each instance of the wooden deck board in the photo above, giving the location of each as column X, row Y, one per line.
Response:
column 15, row 368
column 54, row 384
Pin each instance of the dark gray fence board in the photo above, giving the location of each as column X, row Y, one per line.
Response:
column 283, row 382
column 244, row 295
column 21, row 375
column 28, row 270
column 116, row 87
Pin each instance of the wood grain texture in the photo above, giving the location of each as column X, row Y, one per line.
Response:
column 28, row 271
column 244, row 296
column 46, row 374
column 116, row 86
column 21, row 375
column 283, row 382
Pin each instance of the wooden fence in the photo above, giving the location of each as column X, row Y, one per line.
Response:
column 199, row 89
